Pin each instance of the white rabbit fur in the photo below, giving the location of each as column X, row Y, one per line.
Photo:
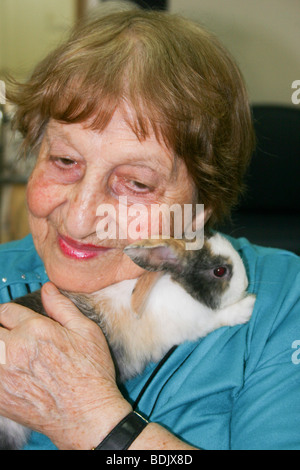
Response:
column 170, row 314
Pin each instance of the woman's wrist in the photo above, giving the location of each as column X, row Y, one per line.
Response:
column 107, row 421
column 156, row 437
column 93, row 427
column 124, row 434
column 113, row 416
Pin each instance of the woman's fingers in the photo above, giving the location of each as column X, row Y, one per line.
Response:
column 58, row 307
column 62, row 310
column 63, row 366
column 11, row 315
column 4, row 334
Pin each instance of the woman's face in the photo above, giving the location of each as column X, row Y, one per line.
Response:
column 77, row 170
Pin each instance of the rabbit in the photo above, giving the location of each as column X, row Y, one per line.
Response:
column 182, row 296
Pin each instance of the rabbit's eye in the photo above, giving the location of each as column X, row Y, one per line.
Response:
column 221, row 271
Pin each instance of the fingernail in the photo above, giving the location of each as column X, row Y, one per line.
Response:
column 50, row 289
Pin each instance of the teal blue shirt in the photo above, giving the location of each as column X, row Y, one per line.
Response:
column 238, row 388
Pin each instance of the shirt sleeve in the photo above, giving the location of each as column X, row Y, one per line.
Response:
column 266, row 413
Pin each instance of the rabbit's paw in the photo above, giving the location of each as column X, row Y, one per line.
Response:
column 238, row 313
column 243, row 310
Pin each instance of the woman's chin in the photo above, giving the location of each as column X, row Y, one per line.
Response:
column 91, row 275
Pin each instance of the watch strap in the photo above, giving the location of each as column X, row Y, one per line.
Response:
column 122, row 436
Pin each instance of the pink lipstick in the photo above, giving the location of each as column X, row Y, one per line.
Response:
column 76, row 250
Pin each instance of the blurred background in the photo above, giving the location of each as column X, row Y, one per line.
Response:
column 264, row 38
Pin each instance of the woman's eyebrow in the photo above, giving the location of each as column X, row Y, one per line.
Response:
column 150, row 163
column 52, row 133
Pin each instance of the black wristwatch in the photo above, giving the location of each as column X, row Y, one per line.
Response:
column 123, row 435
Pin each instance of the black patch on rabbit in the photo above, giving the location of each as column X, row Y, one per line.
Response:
column 197, row 293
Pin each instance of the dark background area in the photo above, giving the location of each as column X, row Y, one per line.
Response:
column 152, row 4
column 269, row 213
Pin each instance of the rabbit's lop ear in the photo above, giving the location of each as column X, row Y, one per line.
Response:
column 157, row 255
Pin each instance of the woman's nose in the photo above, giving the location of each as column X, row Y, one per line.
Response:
column 80, row 218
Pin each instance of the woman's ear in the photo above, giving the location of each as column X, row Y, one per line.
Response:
column 201, row 218
column 207, row 215
column 195, row 230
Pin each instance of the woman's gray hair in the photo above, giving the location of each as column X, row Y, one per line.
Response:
column 178, row 80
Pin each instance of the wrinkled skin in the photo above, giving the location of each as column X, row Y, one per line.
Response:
column 59, row 377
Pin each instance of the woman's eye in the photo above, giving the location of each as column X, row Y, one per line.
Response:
column 63, row 162
column 126, row 185
column 140, row 186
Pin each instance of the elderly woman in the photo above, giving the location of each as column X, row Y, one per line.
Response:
column 151, row 107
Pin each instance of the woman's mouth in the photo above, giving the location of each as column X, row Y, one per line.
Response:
column 76, row 250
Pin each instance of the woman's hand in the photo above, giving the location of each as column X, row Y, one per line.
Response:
column 59, row 377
